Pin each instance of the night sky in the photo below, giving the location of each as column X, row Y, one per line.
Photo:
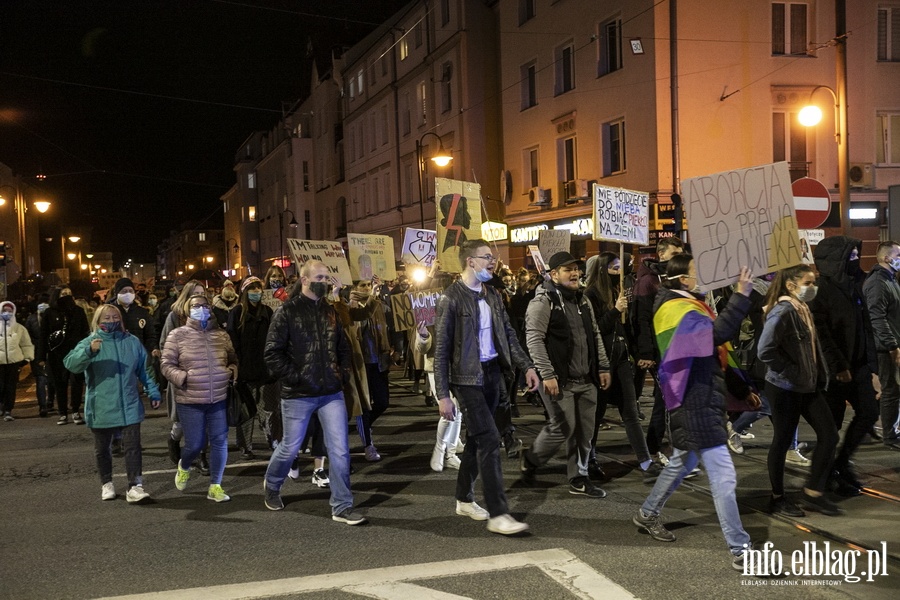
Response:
column 134, row 109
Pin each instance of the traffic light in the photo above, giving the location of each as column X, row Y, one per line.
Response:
column 2, row 254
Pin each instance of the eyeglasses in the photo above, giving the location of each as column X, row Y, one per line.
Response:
column 487, row 257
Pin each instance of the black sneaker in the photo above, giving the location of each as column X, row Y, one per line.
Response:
column 847, row 476
column 783, row 506
column 174, row 450
column 203, row 464
column 527, row 470
column 582, row 486
column 652, row 525
column 273, row 498
column 820, row 504
column 349, row 517
column 652, row 472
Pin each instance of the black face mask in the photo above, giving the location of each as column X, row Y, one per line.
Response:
column 319, row 288
column 853, row 267
column 615, row 278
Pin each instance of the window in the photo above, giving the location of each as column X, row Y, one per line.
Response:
column 526, row 10
column 446, row 89
column 418, row 32
column 887, row 139
column 445, row 12
column 308, row 223
column 352, row 142
column 251, row 213
column 528, row 75
column 384, row 125
column 360, row 78
column 565, row 68
column 789, row 29
column 612, row 135
column 305, row 176
column 566, row 159
column 251, row 180
column 889, row 34
column 384, row 65
column 610, row 47
column 376, row 195
column 361, row 139
column 404, row 48
column 201, row 237
column 408, row 183
column 404, row 113
column 421, row 104
column 353, row 88
column 789, row 143
column 530, row 158
column 387, row 191
column 373, row 128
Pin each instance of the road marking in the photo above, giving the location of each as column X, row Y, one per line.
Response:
column 393, row 583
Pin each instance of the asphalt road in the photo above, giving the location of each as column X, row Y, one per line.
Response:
column 58, row 540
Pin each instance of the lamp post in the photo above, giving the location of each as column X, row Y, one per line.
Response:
column 20, row 208
column 293, row 224
column 71, row 255
column 810, row 116
column 235, row 249
column 442, row 158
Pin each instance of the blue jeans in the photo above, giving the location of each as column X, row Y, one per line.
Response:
column 201, row 422
column 722, row 483
column 482, row 452
column 295, row 416
column 748, row 418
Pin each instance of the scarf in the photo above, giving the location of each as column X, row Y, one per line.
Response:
column 684, row 331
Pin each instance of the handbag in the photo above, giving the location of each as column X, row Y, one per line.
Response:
column 57, row 338
column 239, row 407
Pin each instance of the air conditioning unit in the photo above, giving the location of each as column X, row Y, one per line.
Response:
column 539, row 195
column 861, row 175
column 578, row 189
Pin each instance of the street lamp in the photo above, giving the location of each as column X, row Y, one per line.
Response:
column 293, row 224
column 19, row 207
column 70, row 255
column 442, row 158
column 810, row 116
column 235, row 248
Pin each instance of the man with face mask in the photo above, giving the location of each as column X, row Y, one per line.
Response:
column 137, row 319
column 474, row 344
column 842, row 322
column 306, row 349
column 882, row 293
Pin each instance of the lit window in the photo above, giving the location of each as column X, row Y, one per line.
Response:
column 201, row 236
column 251, row 213
column 404, row 48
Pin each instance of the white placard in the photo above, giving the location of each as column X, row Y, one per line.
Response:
column 330, row 253
column 621, row 215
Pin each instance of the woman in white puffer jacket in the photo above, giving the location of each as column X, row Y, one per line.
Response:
column 16, row 349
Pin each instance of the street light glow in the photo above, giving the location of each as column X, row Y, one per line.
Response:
column 810, row 116
column 74, row 238
column 42, row 206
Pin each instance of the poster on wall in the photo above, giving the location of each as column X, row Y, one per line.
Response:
column 743, row 217
column 371, row 255
column 330, row 253
column 419, row 247
column 551, row 241
column 458, row 205
column 809, row 239
column 621, row 215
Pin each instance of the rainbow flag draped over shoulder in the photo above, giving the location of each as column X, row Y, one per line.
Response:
column 684, row 331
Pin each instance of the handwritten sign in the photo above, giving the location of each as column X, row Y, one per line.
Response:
column 458, row 205
column 424, row 305
column 419, row 247
column 371, row 255
column 741, row 218
column 404, row 317
column 330, row 253
column 621, row 215
column 551, row 241
column 539, row 263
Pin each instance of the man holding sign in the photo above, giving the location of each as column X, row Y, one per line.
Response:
column 475, row 343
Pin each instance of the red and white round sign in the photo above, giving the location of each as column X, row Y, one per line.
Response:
column 812, row 202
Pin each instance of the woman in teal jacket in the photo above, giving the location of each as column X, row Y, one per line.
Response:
column 113, row 361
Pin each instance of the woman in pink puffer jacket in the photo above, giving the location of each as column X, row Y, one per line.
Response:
column 199, row 360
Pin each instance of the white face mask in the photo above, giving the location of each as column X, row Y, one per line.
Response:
column 895, row 263
column 126, row 298
column 807, row 293
column 200, row 313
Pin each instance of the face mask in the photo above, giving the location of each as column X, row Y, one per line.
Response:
column 6, row 316
column 172, row 293
column 152, row 301
column 42, row 307
column 200, row 313
column 853, row 266
column 109, row 326
column 276, row 283
column 125, row 298
column 806, row 293
column 483, row 275
column 254, row 296
column 319, row 288
column 895, row 263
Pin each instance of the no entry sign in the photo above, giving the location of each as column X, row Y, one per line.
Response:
column 812, row 202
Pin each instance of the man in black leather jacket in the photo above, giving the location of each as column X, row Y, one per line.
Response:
column 474, row 344
column 306, row 349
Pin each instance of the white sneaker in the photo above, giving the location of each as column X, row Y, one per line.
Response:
column 746, row 435
column 63, row 420
column 108, row 491
column 294, row 473
column 452, row 462
column 76, row 418
column 734, row 440
column 506, row 525
column 437, row 459
column 472, row 510
column 662, row 459
column 136, row 494
column 320, row 478
column 795, row 458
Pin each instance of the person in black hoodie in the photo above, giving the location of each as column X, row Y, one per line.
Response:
column 63, row 326
column 136, row 319
column 842, row 322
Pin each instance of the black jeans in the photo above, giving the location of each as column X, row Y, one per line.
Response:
column 482, row 452
column 787, row 407
column 621, row 393
column 61, row 378
column 131, row 443
column 379, row 395
column 9, row 379
column 860, row 393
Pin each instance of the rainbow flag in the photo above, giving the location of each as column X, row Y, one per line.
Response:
column 684, row 331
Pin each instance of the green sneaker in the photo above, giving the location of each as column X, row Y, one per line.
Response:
column 181, row 477
column 217, row 494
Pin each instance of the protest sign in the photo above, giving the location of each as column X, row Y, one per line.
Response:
column 739, row 218
column 621, row 215
column 424, row 305
column 371, row 255
column 808, row 239
column 401, row 307
column 458, row 217
column 551, row 241
column 539, row 263
column 330, row 253
column 419, row 247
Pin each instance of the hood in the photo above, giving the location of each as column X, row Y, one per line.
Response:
column 831, row 256
column 7, row 302
column 122, row 283
column 651, row 266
